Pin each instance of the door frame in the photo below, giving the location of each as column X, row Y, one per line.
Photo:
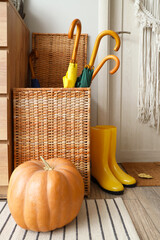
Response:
column 103, row 77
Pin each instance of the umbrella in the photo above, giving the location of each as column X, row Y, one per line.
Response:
column 34, row 82
column 70, row 78
column 88, row 75
column 84, row 80
column 115, row 58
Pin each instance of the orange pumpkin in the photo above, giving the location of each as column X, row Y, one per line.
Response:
column 45, row 198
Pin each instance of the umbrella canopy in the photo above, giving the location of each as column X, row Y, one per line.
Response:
column 84, row 80
column 34, row 82
column 70, row 78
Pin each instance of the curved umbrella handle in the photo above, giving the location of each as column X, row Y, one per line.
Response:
column 33, row 53
column 70, row 35
column 116, row 59
column 97, row 42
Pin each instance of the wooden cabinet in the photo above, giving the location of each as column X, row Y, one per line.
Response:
column 3, row 24
column 4, row 164
column 14, row 51
column 3, row 118
column 3, row 71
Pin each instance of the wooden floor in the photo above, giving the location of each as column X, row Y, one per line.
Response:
column 143, row 205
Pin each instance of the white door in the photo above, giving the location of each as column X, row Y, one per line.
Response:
column 135, row 141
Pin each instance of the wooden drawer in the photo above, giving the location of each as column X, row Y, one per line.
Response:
column 3, row 118
column 3, row 71
column 3, row 164
column 3, row 24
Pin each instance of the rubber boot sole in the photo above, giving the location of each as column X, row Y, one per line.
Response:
column 130, row 186
column 105, row 190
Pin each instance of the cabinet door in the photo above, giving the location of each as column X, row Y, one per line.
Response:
column 3, row 164
column 3, row 118
column 3, row 71
column 3, row 24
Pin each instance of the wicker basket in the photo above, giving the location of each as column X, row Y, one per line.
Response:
column 54, row 122
column 54, row 54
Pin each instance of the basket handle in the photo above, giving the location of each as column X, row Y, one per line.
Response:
column 70, row 35
column 97, row 42
column 115, row 58
column 33, row 53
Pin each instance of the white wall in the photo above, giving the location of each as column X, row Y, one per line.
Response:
column 54, row 16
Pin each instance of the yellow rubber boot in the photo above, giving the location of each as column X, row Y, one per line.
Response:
column 123, row 177
column 100, row 148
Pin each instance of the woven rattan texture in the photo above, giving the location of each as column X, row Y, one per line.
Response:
column 54, row 54
column 53, row 122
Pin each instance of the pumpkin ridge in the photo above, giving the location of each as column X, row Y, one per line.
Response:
column 38, row 228
column 70, row 193
column 47, row 197
column 72, row 173
column 69, row 171
column 14, row 182
column 45, row 180
column 66, row 163
column 61, row 162
column 25, row 201
column 29, row 163
column 37, row 163
column 24, row 192
column 17, row 170
column 59, row 175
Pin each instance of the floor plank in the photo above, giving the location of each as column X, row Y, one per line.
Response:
column 157, row 190
column 150, row 201
column 143, row 204
column 143, row 223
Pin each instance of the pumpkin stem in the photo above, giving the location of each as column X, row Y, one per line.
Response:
column 47, row 166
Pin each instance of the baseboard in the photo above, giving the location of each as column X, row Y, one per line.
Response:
column 138, row 156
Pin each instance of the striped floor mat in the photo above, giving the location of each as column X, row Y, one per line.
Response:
column 97, row 219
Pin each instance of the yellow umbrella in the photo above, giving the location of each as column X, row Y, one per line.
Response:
column 71, row 76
